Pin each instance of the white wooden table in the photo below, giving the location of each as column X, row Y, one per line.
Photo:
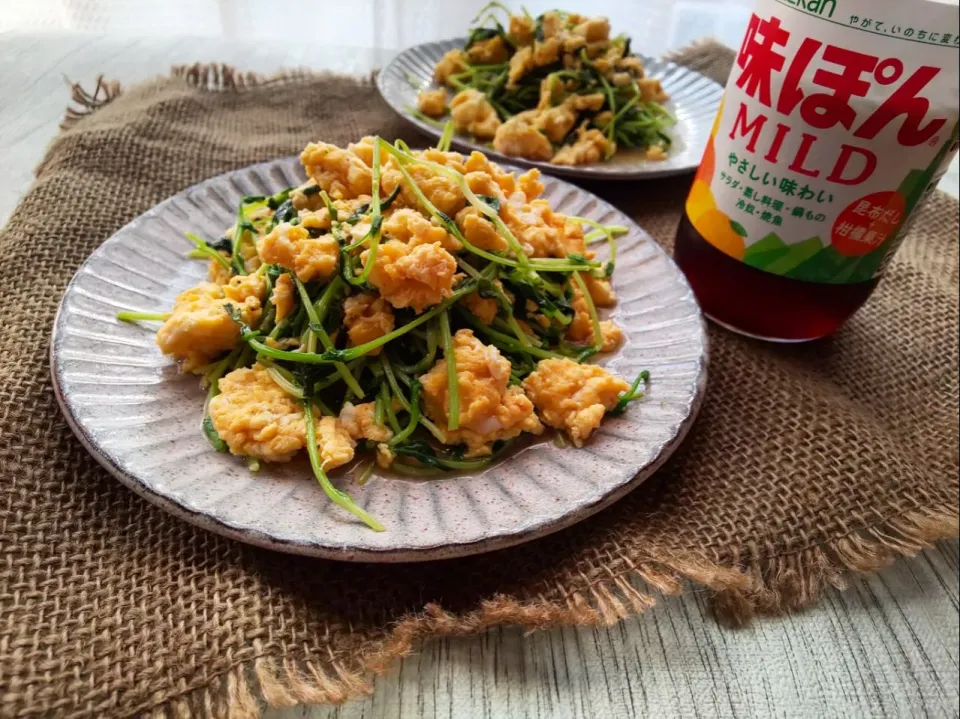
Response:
column 887, row 646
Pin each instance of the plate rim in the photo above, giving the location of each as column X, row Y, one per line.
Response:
column 397, row 555
column 579, row 171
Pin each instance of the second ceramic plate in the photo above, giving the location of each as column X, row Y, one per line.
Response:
column 694, row 100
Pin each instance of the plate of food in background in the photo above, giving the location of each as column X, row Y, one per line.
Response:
column 373, row 353
column 559, row 92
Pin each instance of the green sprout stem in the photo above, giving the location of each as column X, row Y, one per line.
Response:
column 414, row 409
column 591, row 308
column 241, row 229
column 336, row 496
column 131, row 316
column 446, row 138
column 203, row 247
column 608, row 231
column 632, row 393
column 375, row 219
column 366, row 474
column 453, row 382
column 316, row 328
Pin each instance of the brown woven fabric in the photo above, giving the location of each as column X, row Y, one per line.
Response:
column 806, row 461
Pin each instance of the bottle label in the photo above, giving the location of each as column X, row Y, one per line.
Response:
column 838, row 119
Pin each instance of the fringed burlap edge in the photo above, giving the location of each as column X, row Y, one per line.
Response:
column 764, row 585
column 211, row 77
column 742, row 586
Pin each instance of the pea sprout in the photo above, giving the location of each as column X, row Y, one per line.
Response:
column 336, row 496
column 453, row 382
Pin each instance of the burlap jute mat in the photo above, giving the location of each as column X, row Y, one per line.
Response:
column 806, row 462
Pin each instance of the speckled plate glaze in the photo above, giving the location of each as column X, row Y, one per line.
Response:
column 141, row 419
column 694, row 100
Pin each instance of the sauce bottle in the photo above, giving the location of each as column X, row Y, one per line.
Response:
column 838, row 120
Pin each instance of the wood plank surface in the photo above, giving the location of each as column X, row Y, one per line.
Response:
column 886, row 647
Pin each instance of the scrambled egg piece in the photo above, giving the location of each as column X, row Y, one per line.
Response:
column 412, row 276
column 316, row 219
column 652, row 90
column 529, row 184
column 551, row 23
column 547, row 52
column 479, row 231
column 534, row 224
column 359, row 421
column 488, row 52
column 340, row 172
column 472, row 114
column 256, row 418
column 306, row 197
column 441, row 191
column 385, row 456
column 591, row 146
column 453, row 160
column 595, row 29
column 489, row 409
column 572, row 239
column 450, row 64
column 364, row 148
column 519, row 137
column 480, row 183
column 432, row 102
column 601, row 291
column 284, row 296
column 199, row 327
column 521, row 30
column 483, row 308
column 412, row 228
column 478, row 162
column 243, row 287
column 556, row 122
column 367, row 317
column 612, row 335
column 655, row 152
column 334, row 443
column 291, row 247
column 217, row 273
column 632, row 64
column 520, row 64
column 573, row 397
column 581, row 328
column 572, row 43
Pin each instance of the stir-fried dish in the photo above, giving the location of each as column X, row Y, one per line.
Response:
column 553, row 88
column 424, row 308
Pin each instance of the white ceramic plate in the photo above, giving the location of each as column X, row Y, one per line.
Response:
column 694, row 100
column 141, row 420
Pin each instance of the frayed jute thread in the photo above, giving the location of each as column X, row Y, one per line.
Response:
column 762, row 585
column 86, row 103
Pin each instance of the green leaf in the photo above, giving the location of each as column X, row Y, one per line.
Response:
column 738, row 228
